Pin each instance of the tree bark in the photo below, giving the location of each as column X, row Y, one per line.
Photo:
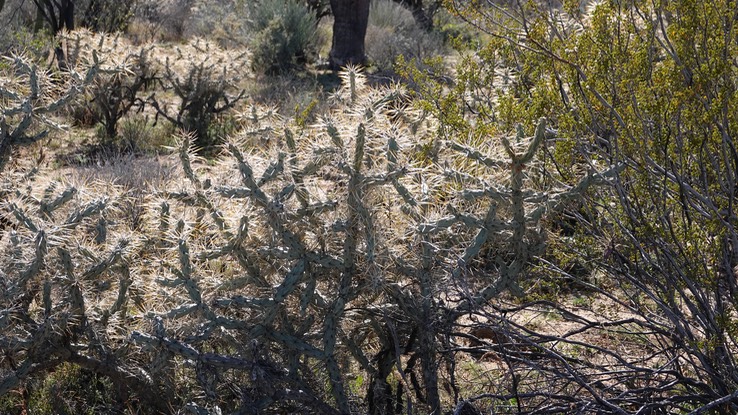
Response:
column 67, row 14
column 59, row 14
column 349, row 30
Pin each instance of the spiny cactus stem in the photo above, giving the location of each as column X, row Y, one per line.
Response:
column 102, row 230
column 164, row 217
column 474, row 154
column 214, row 212
column 359, row 148
column 489, row 225
column 290, row 139
column 186, row 272
column 296, row 344
column 47, row 297
column 38, row 261
column 90, row 209
column 352, row 84
column 336, row 379
column 125, row 281
column 23, row 218
column 334, row 135
column 184, row 157
column 535, row 144
column 47, row 208
column 66, row 261
column 290, row 281
column 96, row 270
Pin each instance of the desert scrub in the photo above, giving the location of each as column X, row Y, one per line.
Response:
column 29, row 96
column 222, row 21
column 271, row 277
column 160, row 21
column 283, row 34
column 126, row 74
column 107, row 17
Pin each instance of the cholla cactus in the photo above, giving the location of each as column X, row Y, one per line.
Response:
column 124, row 75
column 265, row 282
column 28, row 97
column 206, row 87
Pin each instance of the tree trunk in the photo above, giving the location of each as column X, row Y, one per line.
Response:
column 59, row 15
column 67, row 14
column 349, row 29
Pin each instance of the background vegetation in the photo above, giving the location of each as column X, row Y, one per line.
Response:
column 518, row 208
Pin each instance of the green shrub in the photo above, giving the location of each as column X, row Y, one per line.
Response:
column 457, row 32
column 641, row 85
column 137, row 134
column 284, row 36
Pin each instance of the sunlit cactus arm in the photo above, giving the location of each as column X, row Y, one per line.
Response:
column 474, row 154
column 90, row 209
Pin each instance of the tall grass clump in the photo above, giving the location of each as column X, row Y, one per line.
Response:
column 284, row 36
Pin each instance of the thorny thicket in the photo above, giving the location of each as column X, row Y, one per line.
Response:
column 324, row 272
column 29, row 96
column 125, row 74
column 204, row 81
column 352, row 265
column 650, row 85
column 192, row 86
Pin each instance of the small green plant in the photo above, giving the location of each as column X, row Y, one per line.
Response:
column 138, row 134
column 284, row 36
column 72, row 390
column 582, row 302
